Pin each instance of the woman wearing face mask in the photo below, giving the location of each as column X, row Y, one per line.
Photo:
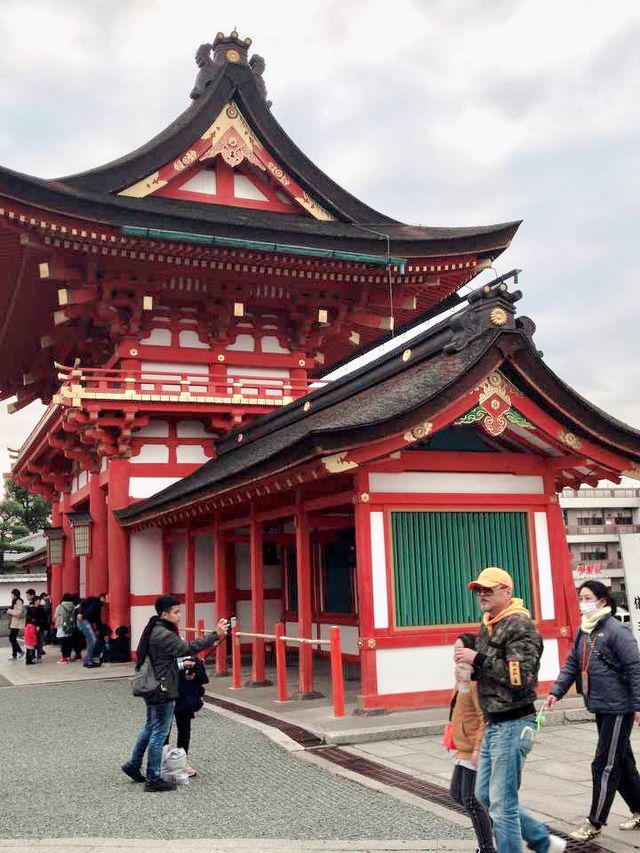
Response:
column 468, row 729
column 605, row 665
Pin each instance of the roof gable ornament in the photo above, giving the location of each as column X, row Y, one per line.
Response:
column 233, row 49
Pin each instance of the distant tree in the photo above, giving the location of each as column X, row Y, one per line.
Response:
column 35, row 510
column 20, row 513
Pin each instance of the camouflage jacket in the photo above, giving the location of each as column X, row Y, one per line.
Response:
column 506, row 668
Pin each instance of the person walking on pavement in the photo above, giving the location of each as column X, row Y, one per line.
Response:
column 468, row 729
column 89, row 621
column 41, row 621
column 505, row 664
column 161, row 642
column 16, row 615
column 65, row 626
column 605, row 664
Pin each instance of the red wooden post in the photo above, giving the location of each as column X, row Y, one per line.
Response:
column 189, row 586
column 337, row 678
column 56, row 592
column 98, row 569
column 281, row 663
column 257, row 602
column 221, row 587
column 199, row 634
column 70, row 563
column 303, row 573
column 118, row 540
column 236, row 662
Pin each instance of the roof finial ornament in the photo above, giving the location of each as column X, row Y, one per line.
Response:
column 257, row 65
column 210, row 57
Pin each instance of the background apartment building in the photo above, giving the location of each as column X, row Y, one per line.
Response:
column 594, row 519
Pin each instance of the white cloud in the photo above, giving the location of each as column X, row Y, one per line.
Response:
column 447, row 112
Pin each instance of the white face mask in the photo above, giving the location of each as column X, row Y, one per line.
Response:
column 588, row 606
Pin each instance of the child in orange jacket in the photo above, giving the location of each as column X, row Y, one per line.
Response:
column 468, row 730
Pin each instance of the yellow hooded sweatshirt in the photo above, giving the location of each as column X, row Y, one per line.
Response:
column 516, row 607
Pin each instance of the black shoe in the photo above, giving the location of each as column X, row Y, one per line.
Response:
column 160, row 785
column 136, row 775
column 89, row 665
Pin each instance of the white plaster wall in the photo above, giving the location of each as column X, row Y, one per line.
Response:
column 379, row 572
column 550, row 663
column 190, row 338
column 191, row 453
column 243, row 612
column 244, row 188
column 543, row 554
column 205, row 610
column 144, row 487
column 145, row 554
column 83, row 576
column 259, row 372
column 140, row 615
column 168, row 369
column 414, row 669
column 158, row 338
column 429, row 482
column 191, row 429
column 177, row 565
column 272, row 614
column 83, row 479
column 272, row 577
column 203, row 557
column 243, row 566
column 348, row 638
column 242, row 343
column 154, row 429
column 270, row 343
column 150, row 453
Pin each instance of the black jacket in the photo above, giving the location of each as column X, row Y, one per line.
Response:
column 191, row 691
column 165, row 646
column 614, row 669
column 91, row 609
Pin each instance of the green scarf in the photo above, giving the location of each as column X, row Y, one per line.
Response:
column 590, row 620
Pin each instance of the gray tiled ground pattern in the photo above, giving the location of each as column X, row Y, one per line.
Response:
column 64, row 744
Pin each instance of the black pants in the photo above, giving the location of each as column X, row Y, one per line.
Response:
column 614, row 767
column 66, row 646
column 31, row 656
column 463, row 784
column 16, row 650
column 183, row 725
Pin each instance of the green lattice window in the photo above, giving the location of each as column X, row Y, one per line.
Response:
column 435, row 555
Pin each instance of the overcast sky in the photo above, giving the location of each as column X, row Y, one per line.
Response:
column 437, row 112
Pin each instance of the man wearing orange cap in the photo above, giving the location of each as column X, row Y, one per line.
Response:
column 505, row 663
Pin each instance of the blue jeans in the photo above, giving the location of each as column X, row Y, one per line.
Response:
column 90, row 636
column 502, row 756
column 153, row 735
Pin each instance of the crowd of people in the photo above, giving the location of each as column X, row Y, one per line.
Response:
column 76, row 626
column 493, row 721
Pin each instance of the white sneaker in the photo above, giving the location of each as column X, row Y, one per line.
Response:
column 556, row 844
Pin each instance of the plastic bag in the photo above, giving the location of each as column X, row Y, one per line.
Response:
column 174, row 761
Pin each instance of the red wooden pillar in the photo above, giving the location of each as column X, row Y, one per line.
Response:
column 368, row 675
column 56, row 590
column 303, row 575
column 70, row 563
column 565, row 595
column 190, row 584
column 257, row 602
column 118, row 543
column 97, row 573
column 221, row 587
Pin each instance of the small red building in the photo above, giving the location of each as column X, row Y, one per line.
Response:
column 178, row 308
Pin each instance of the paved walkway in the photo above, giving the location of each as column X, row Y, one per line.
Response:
column 556, row 782
column 235, row 845
column 70, row 739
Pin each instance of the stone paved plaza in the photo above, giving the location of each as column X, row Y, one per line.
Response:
column 70, row 739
